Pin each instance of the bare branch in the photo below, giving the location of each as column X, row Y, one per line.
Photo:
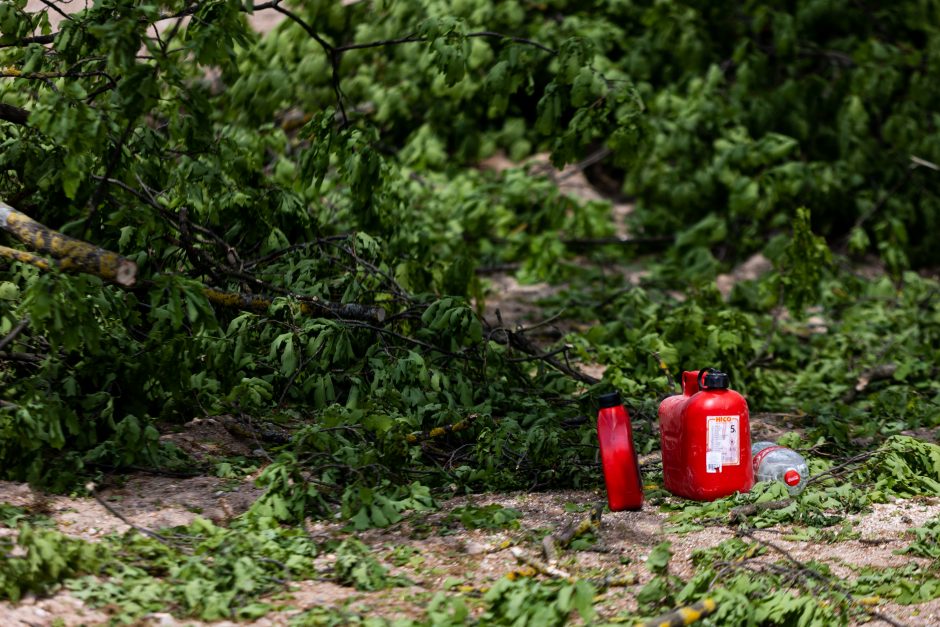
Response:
column 14, row 332
column 331, row 52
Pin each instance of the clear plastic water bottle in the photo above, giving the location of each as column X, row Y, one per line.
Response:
column 779, row 463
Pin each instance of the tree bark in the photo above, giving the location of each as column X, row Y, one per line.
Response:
column 323, row 309
column 13, row 114
column 71, row 254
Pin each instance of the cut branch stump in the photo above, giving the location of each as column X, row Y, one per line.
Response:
column 70, row 254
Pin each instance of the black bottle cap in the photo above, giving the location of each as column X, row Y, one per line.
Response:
column 611, row 399
column 716, row 380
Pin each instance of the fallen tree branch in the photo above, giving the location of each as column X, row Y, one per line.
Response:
column 27, row 257
column 683, row 615
column 72, row 254
column 603, row 583
column 93, row 490
column 554, row 541
column 247, row 302
column 16, row 115
column 819, row 576
column 521, row 573
column 437, row 432
column 203, row 262
column 312, row 307
column 882, row 372
column 518, row 340
column 664, row 368
column 538, row 565
column 22, row 324
column 844, row 467
column 26, row 358
column 25, row 41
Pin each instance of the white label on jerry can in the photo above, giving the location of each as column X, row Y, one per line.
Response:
column 724, row 439
column 713, row 461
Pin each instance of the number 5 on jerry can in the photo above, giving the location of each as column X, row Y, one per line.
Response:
column 706, row 438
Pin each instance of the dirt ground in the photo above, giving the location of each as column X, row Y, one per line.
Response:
column 469, row 559
column 442, row 557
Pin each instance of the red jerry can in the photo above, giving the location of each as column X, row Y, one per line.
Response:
column 706, row 438
column 618, row 456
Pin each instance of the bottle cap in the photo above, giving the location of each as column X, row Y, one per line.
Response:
column 712, row 379
column 791, row 477
column 611, row 399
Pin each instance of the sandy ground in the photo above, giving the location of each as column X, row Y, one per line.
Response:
column 452, row 557
column 445, row 556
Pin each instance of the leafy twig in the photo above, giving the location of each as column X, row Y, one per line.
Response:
column 553, row 541
column 813, row 573
column 844, row 466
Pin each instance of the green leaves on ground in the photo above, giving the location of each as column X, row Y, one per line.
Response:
column 528, row 602
column 45, row 558
column 492, row 516
column 356, row 567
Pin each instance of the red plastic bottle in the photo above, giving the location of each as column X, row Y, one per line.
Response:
column 706, row 438
column 618, row 456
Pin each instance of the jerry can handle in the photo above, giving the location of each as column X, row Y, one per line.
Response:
column 701, row 376
column 719, row 381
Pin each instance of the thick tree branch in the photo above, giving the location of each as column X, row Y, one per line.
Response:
column 23, row 256
column 309, row 307
column 71, row 253
column 16, row 115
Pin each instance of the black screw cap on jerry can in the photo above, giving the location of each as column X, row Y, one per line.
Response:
column 711, row 379
column 611, row 399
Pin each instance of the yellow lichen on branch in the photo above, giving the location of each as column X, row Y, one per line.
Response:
column 684, row 615
column 233, row 300
column 521, row 573
column 553, row 541
column 541, row 567
column 72, row 254
column 315, row 308
column 26, row 257
column 437, row 432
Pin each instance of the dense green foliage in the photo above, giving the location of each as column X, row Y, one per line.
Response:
column 336, row 160
column 203, row 181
